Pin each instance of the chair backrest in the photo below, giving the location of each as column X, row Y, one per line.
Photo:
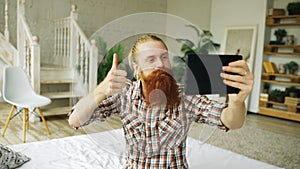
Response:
column 15, row 83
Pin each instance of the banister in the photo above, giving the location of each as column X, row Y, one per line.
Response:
column 81, row 34
column 26, row 29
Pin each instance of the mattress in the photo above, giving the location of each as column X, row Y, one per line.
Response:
column 106, row 150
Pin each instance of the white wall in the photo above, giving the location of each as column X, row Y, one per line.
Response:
column 195, row 11
column 239, row 13
column 92, row 15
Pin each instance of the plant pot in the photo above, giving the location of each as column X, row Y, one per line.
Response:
column 294, row 12
column 291, row 71
column 293, row 94
column 279, row 99
column 265, row 90
column 279, row 38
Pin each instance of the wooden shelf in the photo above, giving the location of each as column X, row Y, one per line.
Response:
column 279, row 113
column 282, row 75
column 281, row 82
column 290, row 20
column 280, row 49
column 280, row 53
column 270, row 78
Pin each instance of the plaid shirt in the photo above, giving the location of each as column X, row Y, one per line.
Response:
column 155, row 136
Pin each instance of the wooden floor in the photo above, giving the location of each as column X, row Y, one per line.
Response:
column 59, row 127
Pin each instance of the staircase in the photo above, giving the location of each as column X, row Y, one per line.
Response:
column 73, row 72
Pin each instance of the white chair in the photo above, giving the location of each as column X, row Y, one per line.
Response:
column 18, row 92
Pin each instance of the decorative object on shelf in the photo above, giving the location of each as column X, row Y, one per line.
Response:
column 281, row 68
column 291, row 91
column 290, row 40
column 293, row 8
column 241, row 40
column 270, row 67
column 280, row 34
column 276, row 12
column 266, row 87
column 292, row 67
column 277, row 95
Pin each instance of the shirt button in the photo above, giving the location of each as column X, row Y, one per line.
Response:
column 149, row 124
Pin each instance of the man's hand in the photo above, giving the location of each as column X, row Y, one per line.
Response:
column 114, row 81
column 243, row 80
column 234, row 115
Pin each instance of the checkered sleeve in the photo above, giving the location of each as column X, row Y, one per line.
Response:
column 203, row 110
column 108, row 106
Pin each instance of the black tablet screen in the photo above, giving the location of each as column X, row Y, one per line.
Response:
column 203, row 74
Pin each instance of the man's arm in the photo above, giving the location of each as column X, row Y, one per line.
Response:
column 234, row 115
column 113, row 83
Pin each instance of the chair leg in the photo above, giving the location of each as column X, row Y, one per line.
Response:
column 8, row 119
column 44, row 121
column 25, row 123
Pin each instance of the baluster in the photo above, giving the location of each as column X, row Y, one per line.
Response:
column 6, row 32
column 59, row 41
column 65, row 43
column 93, row 65
column 27, row 56
column 77, row 52
column 82, row 58
column 86, row 65
column 55, row 39
column 68, row 45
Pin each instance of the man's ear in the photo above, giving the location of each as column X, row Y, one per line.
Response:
column 136, row 69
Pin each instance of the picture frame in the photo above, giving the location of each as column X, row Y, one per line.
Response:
column 240, row 40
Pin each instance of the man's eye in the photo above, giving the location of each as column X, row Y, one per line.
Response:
column 151, row 60
column 165, row 57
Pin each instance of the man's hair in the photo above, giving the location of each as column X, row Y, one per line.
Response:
column 145, row 38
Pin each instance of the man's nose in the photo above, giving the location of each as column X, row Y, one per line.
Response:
column 159, row 63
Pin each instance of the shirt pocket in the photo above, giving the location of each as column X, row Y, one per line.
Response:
column 134, row 130
column 170, row 132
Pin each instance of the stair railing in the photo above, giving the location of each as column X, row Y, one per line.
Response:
column 28, row 47
column 73, row 49
column 8, row 53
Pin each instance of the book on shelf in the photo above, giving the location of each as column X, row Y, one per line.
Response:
column 264, row 97
column 285, row 50
column 269, row 67
column 292, row 100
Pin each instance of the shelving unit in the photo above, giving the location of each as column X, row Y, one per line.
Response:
column 275, row 49
column 285, row 110
column 283, row 20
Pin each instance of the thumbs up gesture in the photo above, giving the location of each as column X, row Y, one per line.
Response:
column 114, row 81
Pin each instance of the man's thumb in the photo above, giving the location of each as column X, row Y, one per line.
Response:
column 115, row 61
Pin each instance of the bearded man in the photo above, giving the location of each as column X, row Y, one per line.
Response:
column 154, row 111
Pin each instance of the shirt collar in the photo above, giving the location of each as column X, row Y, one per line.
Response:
column 137, row 90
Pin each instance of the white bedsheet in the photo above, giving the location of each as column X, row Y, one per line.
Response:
column 106, row 150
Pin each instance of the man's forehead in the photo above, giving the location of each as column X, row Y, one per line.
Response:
column 152, row 52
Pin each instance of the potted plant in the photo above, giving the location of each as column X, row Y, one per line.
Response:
column 105, row 63
column 292, row 67
column 266, row 87
column 293, row 8
column 277, row 95
column 292, row 91
column 280, row 34
column 203, row 45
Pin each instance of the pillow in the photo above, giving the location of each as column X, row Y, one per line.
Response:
column 11, row 159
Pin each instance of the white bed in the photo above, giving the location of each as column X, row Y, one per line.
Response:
column 106, row 150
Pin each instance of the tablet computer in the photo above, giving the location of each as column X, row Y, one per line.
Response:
column 203, row 74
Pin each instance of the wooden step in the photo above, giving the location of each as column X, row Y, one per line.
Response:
column 57, row 95
column 52, row 75
column 55, row 111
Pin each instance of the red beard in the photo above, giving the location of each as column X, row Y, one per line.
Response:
column 160, row 88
